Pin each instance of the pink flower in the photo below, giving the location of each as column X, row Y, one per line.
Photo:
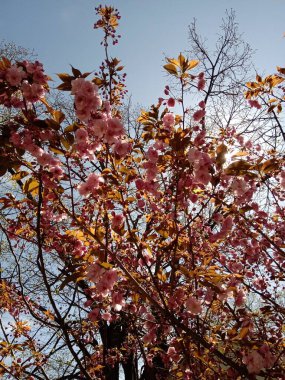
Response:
column 81, row 135
column 107, row 316
column 193, row 154
column 45, row 159
column 56, row 171
column 14, row 75
column 240, row 298
column 99, row 126
column 140, row 184
column 198, row 115
column 92, row 183
column 116, row 127
column 81, row 86
column 118, row 301
column 111, row 276
column 201, row 84
column 118, row 221
column 86, row 99
column 254, row 362
column 33, row 92
column 282, row 179
column 172, row 354
column 152, row 154
column 171, row 102
column 227, row 224
column 193, row 305
column 254, row 103
column 93, row 315
column 202, row 175
column 168, row 120
column 269, row 358
column 15, row 138
column 122, row 148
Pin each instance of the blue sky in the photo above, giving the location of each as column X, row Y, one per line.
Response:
column 61, row 32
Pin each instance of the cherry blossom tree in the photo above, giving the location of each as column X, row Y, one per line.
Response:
column 156, row 254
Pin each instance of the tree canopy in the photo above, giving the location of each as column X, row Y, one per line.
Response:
column 157, row 253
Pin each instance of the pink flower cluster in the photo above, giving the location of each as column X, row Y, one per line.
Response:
column 15, row 75
column 27, row 77
column 201, row 82
column 198, row 115
column 117, row 221
column 201, row 164
column 242, row 190
column 282, row 179
column 225, row 229
column 25, row 140
column 193, row 305
column 254, row 104
column 91, row 185
column 87, row 99
column 256, row 360
column 104, row 279
column 168, row 120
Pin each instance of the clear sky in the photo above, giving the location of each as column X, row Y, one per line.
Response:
column 61, row 32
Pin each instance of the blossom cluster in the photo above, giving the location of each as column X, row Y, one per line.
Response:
column 22, row 83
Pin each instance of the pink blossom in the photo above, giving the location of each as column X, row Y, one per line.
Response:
column 56, row 171
column 240, row 298
column 201, row 84
column 115, row 127
column 92, row 184
column 282, row 179
column 140, row 184
column 110, row 276
column 94, row 272
column 168, row 120
column 93, row 315
column 81, row 86
column 118, row 221
column 202, row 175
column 171, row 102
column 198, row 115
column 227, row 224
column 152, row 154
column 86, row 99
column 81, row 135
column 99, row 126
column 269, row 358
column 15, row 75
column 193, row 154
column 107, row 316
column 45, row 159
column 32, row 92
column 254, row 103
column 141, row 203
column 35, row 150
column 254, row 362
column 172, row 354
column 118, row 301
column 193, row 305
column 122, row 148
column 151, row 170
